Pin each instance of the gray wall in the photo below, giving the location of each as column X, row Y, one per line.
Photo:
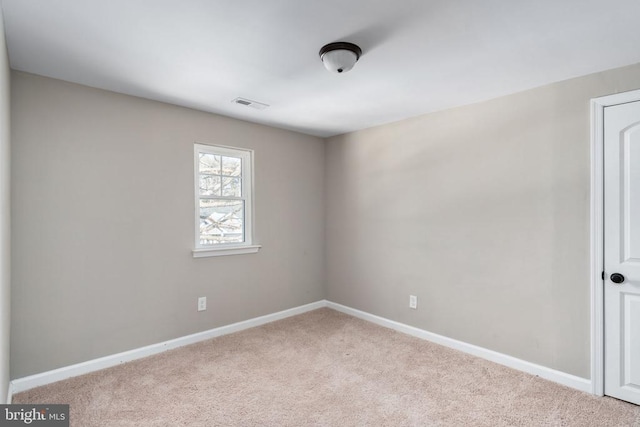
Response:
column 480, row 211
column 103, row 223
column 5, row 226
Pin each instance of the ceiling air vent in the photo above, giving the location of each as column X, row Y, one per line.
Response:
column 249, row 103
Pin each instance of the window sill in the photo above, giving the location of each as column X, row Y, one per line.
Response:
column 229, row 250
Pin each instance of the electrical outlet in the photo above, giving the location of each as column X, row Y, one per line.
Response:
column 202, row 303
column 413, row 302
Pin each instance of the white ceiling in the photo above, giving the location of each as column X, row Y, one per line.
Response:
column 418, row 55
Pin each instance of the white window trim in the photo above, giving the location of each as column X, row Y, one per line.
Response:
column 224, row 249
column 227, row 250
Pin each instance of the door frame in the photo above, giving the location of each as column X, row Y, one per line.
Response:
column 597, row 232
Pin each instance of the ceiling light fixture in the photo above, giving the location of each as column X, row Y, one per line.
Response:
column 340, row 57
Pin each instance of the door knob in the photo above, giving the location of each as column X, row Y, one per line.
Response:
column 617, row 278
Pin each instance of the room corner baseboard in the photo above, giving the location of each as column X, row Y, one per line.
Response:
column 37, row 380
column 563, row 378
column 44, row 378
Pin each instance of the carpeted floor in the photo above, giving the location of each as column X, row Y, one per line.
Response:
column 323, row 368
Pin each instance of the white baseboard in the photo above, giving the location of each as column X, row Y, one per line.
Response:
column 37, row 380
column 563, row 378
column 9, row 393
column 26, row 383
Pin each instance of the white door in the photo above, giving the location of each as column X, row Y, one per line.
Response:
column 622, row 251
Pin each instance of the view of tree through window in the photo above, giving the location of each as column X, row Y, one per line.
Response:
column 221, row 199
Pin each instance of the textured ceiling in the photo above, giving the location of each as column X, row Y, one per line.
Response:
column 419, row 56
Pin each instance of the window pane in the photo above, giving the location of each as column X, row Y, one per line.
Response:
column 231, row 187
column 231, row 166
column 209, row 185
column 209, row 163
column 221, row 221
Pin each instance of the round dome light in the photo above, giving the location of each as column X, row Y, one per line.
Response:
column 340, row 57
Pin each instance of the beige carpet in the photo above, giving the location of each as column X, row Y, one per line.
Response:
column 323, row 368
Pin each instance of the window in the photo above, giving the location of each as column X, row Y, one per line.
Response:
column 223, row 187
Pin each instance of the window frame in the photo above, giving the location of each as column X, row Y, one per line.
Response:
column 247, row 186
